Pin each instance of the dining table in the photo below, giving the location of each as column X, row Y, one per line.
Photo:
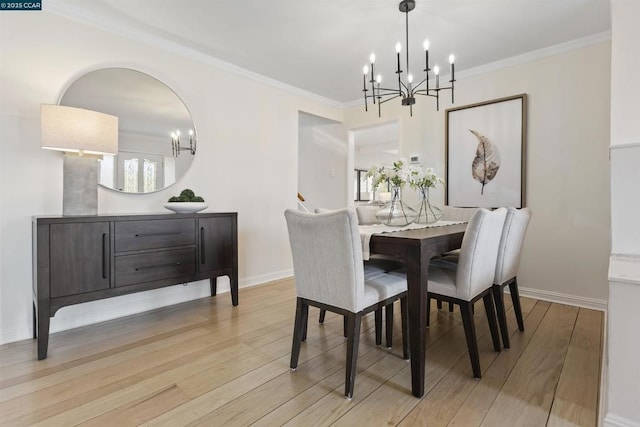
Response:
column 415, row 247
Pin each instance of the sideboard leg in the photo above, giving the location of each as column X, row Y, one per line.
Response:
column 43, row 332
column 233, row 282
column 214, row 286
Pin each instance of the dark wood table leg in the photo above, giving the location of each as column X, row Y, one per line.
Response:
column 35, row 322
column 417, row 263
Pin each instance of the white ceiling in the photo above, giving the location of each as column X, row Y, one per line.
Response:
column 320, row 46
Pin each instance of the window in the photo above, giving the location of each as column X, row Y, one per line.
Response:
column 131, row 175
column 150, row 176
column 362, row 186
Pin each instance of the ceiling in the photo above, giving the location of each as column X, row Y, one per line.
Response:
column 320, row 46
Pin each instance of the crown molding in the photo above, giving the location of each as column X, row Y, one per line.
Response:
column 100, row 22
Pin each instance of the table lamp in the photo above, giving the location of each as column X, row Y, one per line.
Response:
column 84, row 136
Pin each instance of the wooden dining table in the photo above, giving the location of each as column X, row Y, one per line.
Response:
column 415, row 248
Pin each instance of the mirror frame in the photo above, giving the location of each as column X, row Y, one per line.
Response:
column 128, row 100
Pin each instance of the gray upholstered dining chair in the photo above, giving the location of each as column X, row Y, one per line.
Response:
column 452, row 213
column 507, row 264
column 367, row 214
column 513, row 233
column 330, row 274
column 471, row 278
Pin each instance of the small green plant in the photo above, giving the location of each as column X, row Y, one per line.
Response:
column 186, row 195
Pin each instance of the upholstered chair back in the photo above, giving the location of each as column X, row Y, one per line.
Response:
column 510, row 250
column 367, row 214
column 450, row 213
column 321, row 210
column 479, row 252
column 327, row 257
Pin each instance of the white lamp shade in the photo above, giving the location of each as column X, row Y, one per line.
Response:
column 73, row 129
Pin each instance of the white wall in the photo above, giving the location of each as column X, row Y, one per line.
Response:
column 246, row 161
column 322, row 162
column 623, row 316
column 567, row 179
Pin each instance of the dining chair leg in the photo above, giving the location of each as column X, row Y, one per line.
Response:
column 389, row 323
column 491, row 317
column 323, row 312
column 428, row 311
column 438, row 304
column 470, row 334
column 404, row 313
column 498, row 297
column 378, row 323
column 305, row 320
column 297, row 334
column 345, row 326
column 353, row 340
column 450, row 307
column 515, row 297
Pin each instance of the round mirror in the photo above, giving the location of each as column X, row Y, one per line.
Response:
column 156, row 135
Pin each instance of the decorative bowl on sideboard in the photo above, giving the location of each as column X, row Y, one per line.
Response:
column 186, row 207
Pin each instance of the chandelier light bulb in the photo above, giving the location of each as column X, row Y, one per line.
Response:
column 378, row 79
column 426, row 44
column 451, row 59
column 365, row 70
column 178, row 133
column 436, row 70
column 410, row 78
column 372, row 58
column 398, row 47
column 190, row 132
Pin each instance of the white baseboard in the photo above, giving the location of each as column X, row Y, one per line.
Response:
column 612, row 420
column 107, row 309
column 560, row 298
column 604, row 375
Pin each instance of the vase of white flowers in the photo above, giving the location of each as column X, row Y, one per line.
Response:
column 396, row 212
column 423, row 181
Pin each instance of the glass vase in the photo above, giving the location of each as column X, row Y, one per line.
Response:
column 396, row 213
column 427, row 213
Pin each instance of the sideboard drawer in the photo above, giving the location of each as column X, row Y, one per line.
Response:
column 137, row 235
column 147, row 267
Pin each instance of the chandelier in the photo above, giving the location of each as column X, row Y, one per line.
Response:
column 176, row 148
column 406, row 89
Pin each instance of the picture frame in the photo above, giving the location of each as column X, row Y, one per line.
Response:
column 485, row 153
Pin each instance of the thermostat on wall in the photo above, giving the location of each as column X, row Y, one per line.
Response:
column 414, row 159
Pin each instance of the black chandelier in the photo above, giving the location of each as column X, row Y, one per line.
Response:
column 176, row 148
column 407, row 90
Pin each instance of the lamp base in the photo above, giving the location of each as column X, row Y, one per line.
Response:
column 80, row 185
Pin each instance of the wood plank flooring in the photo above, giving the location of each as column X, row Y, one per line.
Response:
column 208, row 363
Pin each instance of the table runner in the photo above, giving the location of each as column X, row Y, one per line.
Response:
column 366, row 231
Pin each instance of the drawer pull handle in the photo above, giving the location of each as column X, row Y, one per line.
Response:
column 202, row 245
column 158, row 234
column 105, row 251
column 149, row 267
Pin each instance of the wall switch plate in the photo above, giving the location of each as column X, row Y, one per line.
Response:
column 414, row 159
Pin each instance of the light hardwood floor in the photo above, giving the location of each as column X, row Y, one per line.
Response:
column 208, row 363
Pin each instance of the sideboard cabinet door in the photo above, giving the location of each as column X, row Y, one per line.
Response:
column 217, row 243
column 80, row 258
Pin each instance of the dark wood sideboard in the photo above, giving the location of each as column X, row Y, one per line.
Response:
column 85, row 258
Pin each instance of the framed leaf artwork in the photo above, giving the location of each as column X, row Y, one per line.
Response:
column 485, row 153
